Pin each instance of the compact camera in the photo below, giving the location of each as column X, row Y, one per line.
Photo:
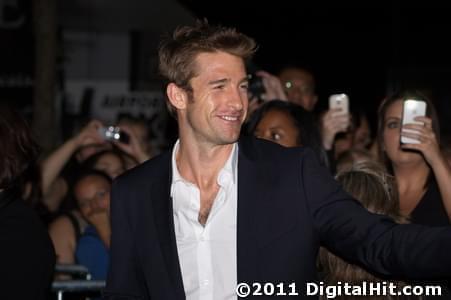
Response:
column 114, row 133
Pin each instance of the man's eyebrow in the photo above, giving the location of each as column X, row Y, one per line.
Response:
column 213, row 82
column 245, row 79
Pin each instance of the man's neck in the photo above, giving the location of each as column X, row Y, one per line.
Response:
column 201, row 163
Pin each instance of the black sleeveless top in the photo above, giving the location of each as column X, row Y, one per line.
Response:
column 430, row 210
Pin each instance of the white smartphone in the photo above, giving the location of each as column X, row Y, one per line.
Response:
column 339, row 101
column 412, row 108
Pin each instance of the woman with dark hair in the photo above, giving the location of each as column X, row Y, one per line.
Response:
column 110, row 162
column 287, row 124
column 68, row 228
column 423, row 177
column 27, row 257
column 92, row 192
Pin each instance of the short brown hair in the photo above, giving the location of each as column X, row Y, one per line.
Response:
column 178, row 52
column 18, row 150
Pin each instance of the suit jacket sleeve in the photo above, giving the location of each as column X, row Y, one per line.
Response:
column 123, row 281
column 370, row 240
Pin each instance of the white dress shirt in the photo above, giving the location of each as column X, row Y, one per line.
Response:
column 207, row 254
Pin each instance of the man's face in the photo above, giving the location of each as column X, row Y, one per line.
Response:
column 299, row 88
column 218, row 105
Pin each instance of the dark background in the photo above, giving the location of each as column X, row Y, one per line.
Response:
column 367, row 50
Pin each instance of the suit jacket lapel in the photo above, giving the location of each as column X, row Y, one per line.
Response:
column 164, row 222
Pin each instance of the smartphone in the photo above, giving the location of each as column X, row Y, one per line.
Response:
column 114, row 133
column 339, row 101
column 412, row 108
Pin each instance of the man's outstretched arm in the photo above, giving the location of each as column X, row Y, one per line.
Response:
column 370, row 240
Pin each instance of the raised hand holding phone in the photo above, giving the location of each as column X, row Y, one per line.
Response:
column 336, row 119
column 412, row 108
column 417, row 132
column 339, row 102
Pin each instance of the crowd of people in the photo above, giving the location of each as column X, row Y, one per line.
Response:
column 71, row 188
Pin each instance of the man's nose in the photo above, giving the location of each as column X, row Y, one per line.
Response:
column 237, row 99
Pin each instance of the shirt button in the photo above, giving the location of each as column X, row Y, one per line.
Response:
column 206, row 282
column 202, row 239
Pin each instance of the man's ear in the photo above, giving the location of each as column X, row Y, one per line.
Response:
column 177, row 96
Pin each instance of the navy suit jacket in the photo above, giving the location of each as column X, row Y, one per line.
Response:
column 287, row 206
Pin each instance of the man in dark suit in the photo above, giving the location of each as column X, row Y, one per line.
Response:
column 213, row 213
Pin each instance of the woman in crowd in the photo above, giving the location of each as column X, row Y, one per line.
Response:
column 92, row 192
column 27, row 257
column 288, row 125
column 422, row 175
column 67, row 229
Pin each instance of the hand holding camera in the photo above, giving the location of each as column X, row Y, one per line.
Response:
column 88, row 135
column 114, row 134
column 126, row 140
column 266, row 87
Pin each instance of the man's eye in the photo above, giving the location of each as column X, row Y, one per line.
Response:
column 219, row 87
column 244, row 86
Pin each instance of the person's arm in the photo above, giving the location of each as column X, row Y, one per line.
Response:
column 55, row 162
column 372, row 241
column 62, row 233
column 430, row 149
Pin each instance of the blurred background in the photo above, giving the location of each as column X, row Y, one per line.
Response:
column 64, row 62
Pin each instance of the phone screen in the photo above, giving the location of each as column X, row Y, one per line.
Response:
column 339, row 101
column 411, row 109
